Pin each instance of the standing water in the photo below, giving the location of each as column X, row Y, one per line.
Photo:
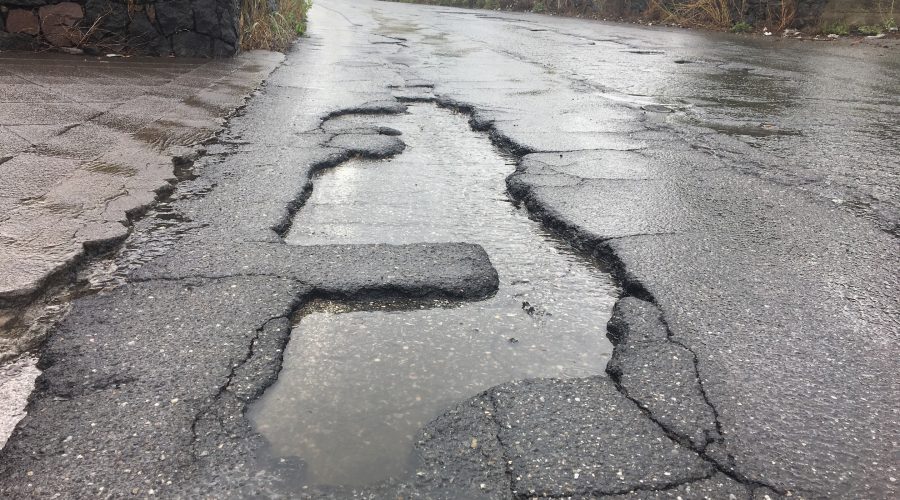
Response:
column 359, row 380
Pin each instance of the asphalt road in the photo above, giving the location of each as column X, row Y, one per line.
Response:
column 742, row 190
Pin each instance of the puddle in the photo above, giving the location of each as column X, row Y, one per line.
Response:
column 102, row 167
column 153, row 236
column 359, row 380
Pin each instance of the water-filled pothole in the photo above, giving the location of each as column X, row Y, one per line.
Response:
column 359, row 380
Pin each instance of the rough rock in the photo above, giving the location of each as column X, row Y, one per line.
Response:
column 143, row 36
column 17, row 41
column 174, row 17
column 22, row 21
column 58, row 23
column 191, row 44
column 112, row 16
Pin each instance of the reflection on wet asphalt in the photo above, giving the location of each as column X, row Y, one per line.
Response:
column 359, row 380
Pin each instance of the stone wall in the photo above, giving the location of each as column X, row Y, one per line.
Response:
column 187, row 28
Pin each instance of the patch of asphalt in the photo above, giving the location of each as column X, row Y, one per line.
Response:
column 581, row 437
column 716, row 486
column 339, row 272
column 659, row 374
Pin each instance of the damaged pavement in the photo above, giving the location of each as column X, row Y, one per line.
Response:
column 738, row 370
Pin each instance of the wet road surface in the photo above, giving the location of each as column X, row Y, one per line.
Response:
column 755, row 342
column 16, row 382
column 357, row 383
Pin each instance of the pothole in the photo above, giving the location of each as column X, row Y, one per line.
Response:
column 359, row 380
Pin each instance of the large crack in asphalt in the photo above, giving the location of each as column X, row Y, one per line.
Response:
column 370, row 147
column 598, row 247
column 633, row 289
column 448, row 185
column 220, row 418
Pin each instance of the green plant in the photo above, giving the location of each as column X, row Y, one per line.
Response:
column 490, row 4
column 262, row 28
column 538, row 7
column 741, row 27
column 869, row 30
column 890, row 22
column 836, row 28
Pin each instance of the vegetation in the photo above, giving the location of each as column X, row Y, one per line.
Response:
column 890, row 22
column 836, row 28
column 731, row 15
column 869, row 30
column 263, row 29
column 709, row 13
column 741, row 27
column 594, row 8
column 723, row 14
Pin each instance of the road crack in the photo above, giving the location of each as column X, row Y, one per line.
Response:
column 598, row 247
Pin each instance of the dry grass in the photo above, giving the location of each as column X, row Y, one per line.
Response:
column 262, row 29
column 722, row 14
column 715, row 14
column 783, row 15
column 708, row 13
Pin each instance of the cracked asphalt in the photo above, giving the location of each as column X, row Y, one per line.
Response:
column 742, row 191
column 86, row 146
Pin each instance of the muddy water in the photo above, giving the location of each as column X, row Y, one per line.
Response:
column 359, row 380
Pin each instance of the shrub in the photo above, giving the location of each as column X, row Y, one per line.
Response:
column 538, row 7
column 263, row 29
column 869, row 30
column 836, row 28
column 710, row 13
column 741, row 27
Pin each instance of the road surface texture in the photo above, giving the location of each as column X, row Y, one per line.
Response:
column 743, row 191
column 87, row 143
